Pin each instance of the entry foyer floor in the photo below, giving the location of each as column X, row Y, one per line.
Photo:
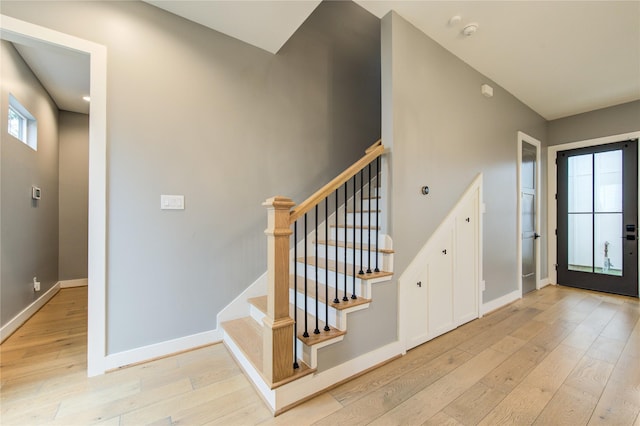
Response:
column 558, row 356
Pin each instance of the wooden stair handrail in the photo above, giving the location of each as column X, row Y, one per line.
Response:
column 373, row 152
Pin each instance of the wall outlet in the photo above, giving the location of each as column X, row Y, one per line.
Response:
column 36, row 284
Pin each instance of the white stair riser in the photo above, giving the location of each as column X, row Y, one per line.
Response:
column 366, row 217
column 368, row 204
column 311, row 309
column 362, row 235
column 368, row 257
column 311, row 276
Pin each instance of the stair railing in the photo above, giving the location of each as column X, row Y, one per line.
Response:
column 280, row 361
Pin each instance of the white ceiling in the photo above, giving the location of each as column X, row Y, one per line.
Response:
column 558, row 57
column 266, row 24
column 64, row 73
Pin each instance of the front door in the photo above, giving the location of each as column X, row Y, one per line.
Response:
column 598, row 218
column 528, row 202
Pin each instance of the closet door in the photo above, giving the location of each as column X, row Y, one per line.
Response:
column 465, row 292
column 440, row 274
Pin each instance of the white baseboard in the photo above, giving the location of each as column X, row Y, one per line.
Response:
column 162, row 349
column 9, row 328
column 501, row 301
column 544, row 282
column 82, row 282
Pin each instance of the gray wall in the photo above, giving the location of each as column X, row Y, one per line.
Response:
column 610, row 121
column 442, row 132
column 28, row 229
column 194, row 112
column 73, row 137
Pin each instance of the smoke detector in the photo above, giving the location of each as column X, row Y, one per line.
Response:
column 470, row 29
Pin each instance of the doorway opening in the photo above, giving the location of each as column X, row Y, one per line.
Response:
column 18, row 31
column 528, row 184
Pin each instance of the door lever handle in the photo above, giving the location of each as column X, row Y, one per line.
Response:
column 536, row 235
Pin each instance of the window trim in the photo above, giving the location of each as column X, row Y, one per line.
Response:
column 28, row 133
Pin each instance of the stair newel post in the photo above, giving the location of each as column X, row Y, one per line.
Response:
column 278, row 325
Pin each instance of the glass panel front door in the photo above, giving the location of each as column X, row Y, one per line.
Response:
column 597, row 218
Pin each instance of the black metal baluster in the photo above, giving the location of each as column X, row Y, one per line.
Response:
column 369, row 223
column 353, row 292
column 336, row 300
column 346, row 231
column 316, row 330
column 326, row 260
column 377, row 209
column 295, row 294
column 306, row 332
column 361, row 272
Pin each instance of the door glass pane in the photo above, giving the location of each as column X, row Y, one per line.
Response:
column 608, row 244
column 528, row 178
column 528, row 214
column 580, row 242
column 608, row 181
column 580, row 179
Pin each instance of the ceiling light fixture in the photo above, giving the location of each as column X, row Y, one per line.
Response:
column 86, row 98
column 470, row 29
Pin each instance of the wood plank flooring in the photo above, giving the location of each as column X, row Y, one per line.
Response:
column 558, row 356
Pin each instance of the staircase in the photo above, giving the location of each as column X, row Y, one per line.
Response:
column 338, row 252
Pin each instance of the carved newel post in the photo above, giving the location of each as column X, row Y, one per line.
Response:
column 278, row 325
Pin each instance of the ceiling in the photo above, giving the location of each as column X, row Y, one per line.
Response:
column 64, row 73
column 558, row 57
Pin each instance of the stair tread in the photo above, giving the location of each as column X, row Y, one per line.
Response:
column 247, row 334
column 313, row 339
column 342, row 305
column 357, row 246
column 332, row 264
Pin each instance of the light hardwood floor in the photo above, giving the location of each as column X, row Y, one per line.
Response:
column 558, row 356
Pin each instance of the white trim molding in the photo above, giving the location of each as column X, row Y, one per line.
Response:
column 25, row 32
column 162, row 349
column 9, row 328
column 82, row 282
column 501, row 301
column 552, row 183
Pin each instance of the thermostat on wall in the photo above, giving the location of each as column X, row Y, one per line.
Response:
column 35, row 192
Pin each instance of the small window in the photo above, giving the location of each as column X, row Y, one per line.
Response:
column 22, row 125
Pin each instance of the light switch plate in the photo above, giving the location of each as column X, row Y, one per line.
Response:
column 172, row 202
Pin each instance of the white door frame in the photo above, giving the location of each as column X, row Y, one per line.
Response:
column 20, row 31
column 523, row 137
column 552, row 183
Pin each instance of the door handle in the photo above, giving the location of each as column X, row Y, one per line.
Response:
column 536, row 235
column 529, row 275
